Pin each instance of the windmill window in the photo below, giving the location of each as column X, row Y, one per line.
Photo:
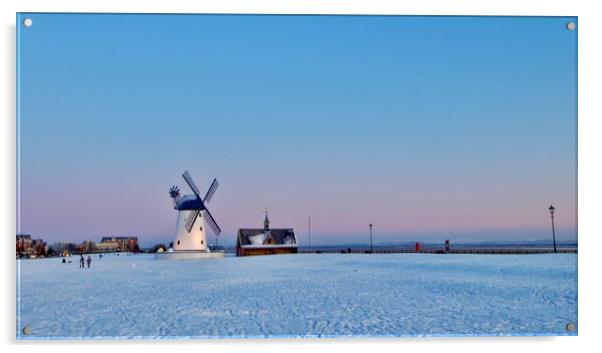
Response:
column 178, row 242
column 201, row 229
column 202, row 242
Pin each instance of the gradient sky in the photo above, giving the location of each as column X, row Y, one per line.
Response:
column 428, row 127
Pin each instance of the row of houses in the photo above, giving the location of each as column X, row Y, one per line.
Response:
column 106, row 244
column 28, row 247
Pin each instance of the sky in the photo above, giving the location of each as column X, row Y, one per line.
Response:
column 430, row 128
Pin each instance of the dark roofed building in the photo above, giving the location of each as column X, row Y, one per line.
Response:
column 118, row 244
column 265, row 241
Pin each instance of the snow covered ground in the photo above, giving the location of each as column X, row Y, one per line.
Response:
column 298, row 295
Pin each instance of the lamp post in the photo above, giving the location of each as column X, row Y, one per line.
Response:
column 309, row 231
column 370, row 238
column 551, row 209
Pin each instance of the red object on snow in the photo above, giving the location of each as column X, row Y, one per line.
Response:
column 417, row 247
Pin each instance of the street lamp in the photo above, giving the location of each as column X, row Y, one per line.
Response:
column 370, row 238
column 309, row 231
column 551, row 209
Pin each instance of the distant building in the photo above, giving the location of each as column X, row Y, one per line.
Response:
column 28, row 247
column 64, row 248
column 112, row 244
column 23, row 245
column 107, row 246
column 88, row 246
column 132, row 244
column 265, row 241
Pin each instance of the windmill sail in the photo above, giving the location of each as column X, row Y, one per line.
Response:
column 191, row 183
column 211, row 191
column 191, row 219
column 211, row 222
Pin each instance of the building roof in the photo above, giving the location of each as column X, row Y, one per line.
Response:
column 190, row 202
column 279, row 235
column 117, row 239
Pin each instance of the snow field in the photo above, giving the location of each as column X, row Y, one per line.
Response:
column 305, row 295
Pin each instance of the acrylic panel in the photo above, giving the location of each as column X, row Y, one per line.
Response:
column 269, row 176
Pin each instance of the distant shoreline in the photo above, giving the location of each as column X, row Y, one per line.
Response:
column 458, row 248
column 480, row 250
column 476, row 251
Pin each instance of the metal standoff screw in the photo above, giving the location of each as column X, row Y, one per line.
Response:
column 27, row 330
column 27, row 22
column 570, row 327
column 571, row 26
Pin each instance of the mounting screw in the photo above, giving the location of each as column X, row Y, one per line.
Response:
column 570, row 26
column 570, row 327
column 27, row 22
column 27, row 330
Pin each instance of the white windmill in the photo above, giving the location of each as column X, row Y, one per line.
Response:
column 193, row 217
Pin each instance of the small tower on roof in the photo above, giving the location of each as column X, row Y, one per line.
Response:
column 266, row 221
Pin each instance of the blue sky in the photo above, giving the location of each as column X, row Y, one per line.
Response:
column 428, row 127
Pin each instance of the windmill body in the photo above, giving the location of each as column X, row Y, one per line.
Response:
column 194, row 219
column 196, row 239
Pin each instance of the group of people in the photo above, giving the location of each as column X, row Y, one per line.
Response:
column 83, row 261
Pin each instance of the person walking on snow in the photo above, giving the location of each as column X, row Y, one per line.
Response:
column 81, row 261
column 89, row 260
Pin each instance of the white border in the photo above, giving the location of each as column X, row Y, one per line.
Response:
column 590, row 175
